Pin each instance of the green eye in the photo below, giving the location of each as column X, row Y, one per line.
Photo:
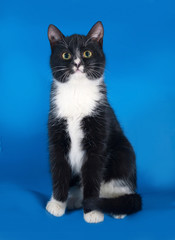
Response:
column 87, row 54
column 66, row 56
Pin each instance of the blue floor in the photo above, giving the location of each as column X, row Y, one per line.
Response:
column 24, row 217
column 25, row 188
column 139, row 42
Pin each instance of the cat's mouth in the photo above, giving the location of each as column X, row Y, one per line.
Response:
column 78, row 69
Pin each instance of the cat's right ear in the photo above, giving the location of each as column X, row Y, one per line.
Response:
column 54, row 35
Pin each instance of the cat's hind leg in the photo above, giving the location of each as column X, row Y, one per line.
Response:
column 74, row 201
column 114, row 189
column 119, row 216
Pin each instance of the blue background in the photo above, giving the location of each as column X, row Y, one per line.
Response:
column 139, row 43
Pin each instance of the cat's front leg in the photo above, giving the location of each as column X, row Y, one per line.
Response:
column 92, row 169
column 55, row 207
column 91, row 175
column 60, row 171
column 60, row 178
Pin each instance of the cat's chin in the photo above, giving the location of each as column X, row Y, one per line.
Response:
column 78, row 74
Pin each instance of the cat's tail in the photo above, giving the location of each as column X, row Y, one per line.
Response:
column 125, row 204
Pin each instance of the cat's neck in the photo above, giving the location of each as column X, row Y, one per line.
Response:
column 78, row 97
column 80, row 79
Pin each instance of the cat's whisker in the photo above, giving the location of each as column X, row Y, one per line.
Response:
column 96, row 66
column 58, row 67
column 95, row 73
column 58, row 71
column 64, row 76
column 101, row 68
column 90, row 74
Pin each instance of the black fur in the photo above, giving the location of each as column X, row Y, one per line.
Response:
column 76, row 42
column 109, row 155
column 126, row 204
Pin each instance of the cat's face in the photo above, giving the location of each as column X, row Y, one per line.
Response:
column 77, row 54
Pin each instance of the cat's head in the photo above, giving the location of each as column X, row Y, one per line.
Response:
column 77, row 54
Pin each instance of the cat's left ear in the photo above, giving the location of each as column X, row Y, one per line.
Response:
column 97, row 32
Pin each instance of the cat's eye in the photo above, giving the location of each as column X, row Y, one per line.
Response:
column 66, row 56
column 87, row 54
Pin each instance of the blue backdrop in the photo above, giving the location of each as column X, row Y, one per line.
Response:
column 139, row 43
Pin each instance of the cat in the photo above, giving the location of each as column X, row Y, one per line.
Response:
column 92, row 162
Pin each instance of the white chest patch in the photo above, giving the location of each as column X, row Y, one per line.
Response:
column 75, row 100
column 76, row 153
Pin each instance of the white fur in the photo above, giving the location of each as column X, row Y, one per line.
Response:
column 119, row 216
column 76, row 153
column 77, row 61
column 78, row 97
column 94, row 217
column 114, row 188
column 81, row 68
column 75, row 100
column 55, row 207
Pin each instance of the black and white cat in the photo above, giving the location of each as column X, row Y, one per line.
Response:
column 92, row 162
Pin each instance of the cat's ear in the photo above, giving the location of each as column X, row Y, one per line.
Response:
column 97, row 32
column 54, row 35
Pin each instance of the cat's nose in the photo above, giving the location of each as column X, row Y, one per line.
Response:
column 77, row 65
column 77, row 62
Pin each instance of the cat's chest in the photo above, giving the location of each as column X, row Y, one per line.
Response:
column 77, row 98
column 73, row 101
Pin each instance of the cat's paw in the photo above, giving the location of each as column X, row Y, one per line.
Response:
column 94, row 217
column 74, row 203
column 119, row 216
column 56, row 208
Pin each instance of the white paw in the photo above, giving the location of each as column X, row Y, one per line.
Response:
column 119, row 216
column 56, row 208
column 74, row 203
column 94, row 217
